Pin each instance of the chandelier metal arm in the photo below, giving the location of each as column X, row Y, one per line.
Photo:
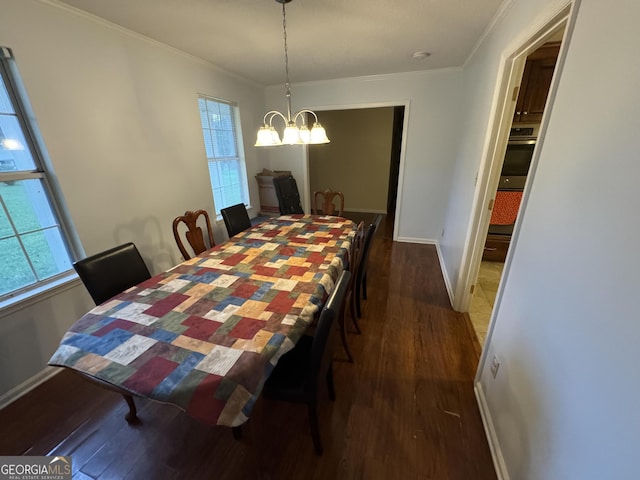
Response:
column 295, row 117
column 271, row 114
column 267, row 134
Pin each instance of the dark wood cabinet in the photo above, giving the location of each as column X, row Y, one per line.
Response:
column 535, row 84
column 495, row 248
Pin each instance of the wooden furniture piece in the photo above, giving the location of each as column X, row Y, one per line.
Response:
column 288, row 195
column 205, row 335
column 105, row 275
column 495, row 247
column 193, row 234
column 535, row 84
column 325, row 202
column 299, row 373
column 236, row 219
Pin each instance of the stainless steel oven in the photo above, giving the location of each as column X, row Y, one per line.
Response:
column 517, row 159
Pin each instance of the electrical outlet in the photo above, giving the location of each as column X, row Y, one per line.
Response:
column 495, row 365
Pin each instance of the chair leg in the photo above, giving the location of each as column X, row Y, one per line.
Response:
column 364, row 286
column 353, row 307
column 132, row 415
column 343, row 336
column 315, row 429
column 330, row 384
column 356, row 299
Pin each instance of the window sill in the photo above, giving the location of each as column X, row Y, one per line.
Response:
column 19, row 302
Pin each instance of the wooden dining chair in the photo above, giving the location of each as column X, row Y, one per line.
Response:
column 329, row 202
column 105, row 275
column 299, row 374
column 193, row 234
column 236, row 219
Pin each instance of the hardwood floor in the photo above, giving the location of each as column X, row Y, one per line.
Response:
column 405, row 408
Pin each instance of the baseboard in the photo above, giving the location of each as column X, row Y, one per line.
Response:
column 447, row 282
column 426, row 241
column 25, row 387
column 423, row 241
column 492, row 439
column 365, row 210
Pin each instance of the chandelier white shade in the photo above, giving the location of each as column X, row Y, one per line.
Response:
column 293, row 134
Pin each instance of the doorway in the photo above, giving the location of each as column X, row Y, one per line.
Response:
column 363, row 159
column 528, row 86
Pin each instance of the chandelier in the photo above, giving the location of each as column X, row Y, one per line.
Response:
column 292, row 135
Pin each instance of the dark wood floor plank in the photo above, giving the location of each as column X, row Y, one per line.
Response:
column 405, row 408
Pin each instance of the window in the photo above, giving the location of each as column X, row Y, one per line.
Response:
column 33, row 245
column 223, row 143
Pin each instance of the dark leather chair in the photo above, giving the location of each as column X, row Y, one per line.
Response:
column 299, row 373
column 354, row 261
column 236, row 219
column 105, row 275
column 288, row 196
column 325, row 202
column 113, row 271
column 194, row 234
column 361, row 274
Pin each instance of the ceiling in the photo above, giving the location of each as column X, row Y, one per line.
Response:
column 327, row 39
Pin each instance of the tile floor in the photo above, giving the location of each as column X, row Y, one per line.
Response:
column 484, row 297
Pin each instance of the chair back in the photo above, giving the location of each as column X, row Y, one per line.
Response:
column 236, row 219
column 111, row 272
column 329, row 202
column 288, row 196
column 357, row 247
column 193, row 234
column 364, row 256
column 324, row 336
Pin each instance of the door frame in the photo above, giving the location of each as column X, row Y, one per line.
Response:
column 405, row 126
column 510, row 75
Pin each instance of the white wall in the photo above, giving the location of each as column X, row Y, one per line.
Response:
column 120, row 120
column 564, row 403
column 433, row 113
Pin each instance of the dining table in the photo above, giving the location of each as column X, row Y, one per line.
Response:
column 206, row 334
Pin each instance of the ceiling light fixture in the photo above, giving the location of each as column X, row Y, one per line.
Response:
column 421, row 55
column 293, row 135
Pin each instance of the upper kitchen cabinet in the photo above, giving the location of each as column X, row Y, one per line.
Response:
column 536, row 81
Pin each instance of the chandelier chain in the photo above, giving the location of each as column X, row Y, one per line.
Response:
column 286, row 59
column 293, row 135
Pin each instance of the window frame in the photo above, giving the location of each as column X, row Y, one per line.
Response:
column 44, row 173
column 239, row 147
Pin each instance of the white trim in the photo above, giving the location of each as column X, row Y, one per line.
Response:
column 423, row 241
column 366, row 210
column 139, row 36
column 497, row 18
column 490, row 431
column 447, row 281
column 368, row 78
column 500, row 119
column 403, row 148
column 25, row 387
column 27, row 299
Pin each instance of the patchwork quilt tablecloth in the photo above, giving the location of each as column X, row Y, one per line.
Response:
column 205, row 335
